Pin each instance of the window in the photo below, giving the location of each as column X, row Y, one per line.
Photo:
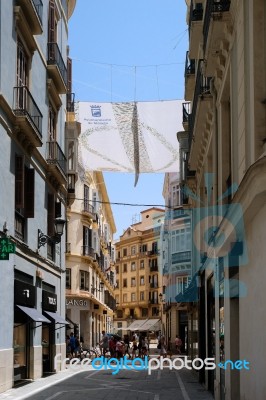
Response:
column 154, row 248
column 119, row 254
column 143, row 248
column 142, row 280
column 117, row 269
column 125, row 268
column 175, row 195
column 87, row 198
column 133, row 266
column 87, row 242
column 133, row 250
column 154, row 311
column 124, row 282
column 52, row 119
column 84, row 277
column 68, row 278
column 142, row 264
column 124, row 252
column 125, row 298
column 182, row 283
column 181, row 240
column 141, row 296
column 24, row 196
column 117, row 299
column 133, row 281
column 144, row 312
column 117, row 284
column 133, row 296
column 119, row 313
column 52, row 23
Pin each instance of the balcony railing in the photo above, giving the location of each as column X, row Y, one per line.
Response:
column 55, row 58
column 196, row 12
column 87, row 251
column 213, row 7
column 189, row 66
column 154, row 268
column 153, row 301
column 202, row 87
column 153, row 285
column 55, row 155
column 181, row 257
column 70, row 102
column 71, row 178
column 186, row 112
column 87, row 207
column 24, row 104
column 153, row 252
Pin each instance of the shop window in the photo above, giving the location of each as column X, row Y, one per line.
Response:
column 68, row 278
column 19, row 338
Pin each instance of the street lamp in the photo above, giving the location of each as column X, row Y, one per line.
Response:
column 59, row 230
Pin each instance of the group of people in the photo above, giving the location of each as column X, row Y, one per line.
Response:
column 118, row 347
column 73, row 344
column 166, row 347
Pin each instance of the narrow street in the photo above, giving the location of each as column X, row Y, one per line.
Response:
column 128, row 385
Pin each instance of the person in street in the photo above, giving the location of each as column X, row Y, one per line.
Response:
column 112, row 346
column 72, row 343
column 134, row 347
column 163, row 351
column 104, row 343
column 178, row 344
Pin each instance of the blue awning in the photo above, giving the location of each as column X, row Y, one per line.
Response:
column 34, row 314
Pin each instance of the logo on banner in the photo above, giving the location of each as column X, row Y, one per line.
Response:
column 96, row 111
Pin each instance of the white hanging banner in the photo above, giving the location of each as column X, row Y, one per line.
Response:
column 130, row 137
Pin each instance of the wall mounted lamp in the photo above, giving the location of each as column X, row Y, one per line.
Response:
column 59, row 230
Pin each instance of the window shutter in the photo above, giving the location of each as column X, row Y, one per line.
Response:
column 69, row 75
column 95, row 241
column 58, row 212
column 19, row 181
column 51, row 22
column 50, row 215
column 29, row 193
column 95, row 200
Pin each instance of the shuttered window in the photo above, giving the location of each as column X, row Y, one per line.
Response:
column 24, row 188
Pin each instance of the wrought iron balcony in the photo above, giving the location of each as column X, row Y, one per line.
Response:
column 196, row 12
column 56, row 158
column 29, row 117
column 87, row 207
column 202, row 88
column 57, row 67
column 88, row 251
column 153, row 285
column 70, row 102
column 213, row 7
column 153, row 267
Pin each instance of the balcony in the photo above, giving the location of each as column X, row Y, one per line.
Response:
column 197, row 118
column 153, row 252
column 70, row 102
column 217, row 16
column 189, row 78
column 56, row 161
column 71, row 180
column 154, row 267
column 186, row 113
column 28, row 115
column 33, row 10
column 184, row 256
column 153, row 285
column 88, row 208
column 56, row 67
column 87, row 251
column 153, row 301
column 195, row 28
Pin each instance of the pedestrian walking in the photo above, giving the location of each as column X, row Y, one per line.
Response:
column 178, row 344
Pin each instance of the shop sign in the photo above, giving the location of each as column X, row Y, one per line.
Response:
column 6, row 247
column 73, row 302
column 49, row 301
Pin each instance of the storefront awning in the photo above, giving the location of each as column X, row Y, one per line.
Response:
column 150, row 325
column 135, row 326
column 34, row 314
column 57, row 318
column 69, row 322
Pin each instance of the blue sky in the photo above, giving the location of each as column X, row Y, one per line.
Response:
column 126, row 50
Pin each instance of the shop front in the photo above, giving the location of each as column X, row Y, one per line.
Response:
column 81, row 319
column 49, row 306
column 26, row 319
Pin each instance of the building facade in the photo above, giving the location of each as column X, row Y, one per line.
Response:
column 33, row 80
column 90, row 275
column 139, row 273
column 224, row 120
